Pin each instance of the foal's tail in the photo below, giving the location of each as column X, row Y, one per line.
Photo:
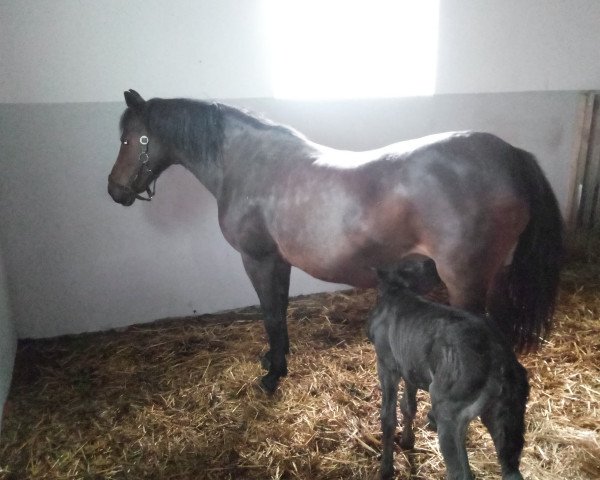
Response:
column 525, row 295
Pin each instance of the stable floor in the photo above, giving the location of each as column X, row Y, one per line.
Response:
column 177, row 399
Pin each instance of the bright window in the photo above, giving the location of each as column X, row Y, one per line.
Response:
column 349, row 49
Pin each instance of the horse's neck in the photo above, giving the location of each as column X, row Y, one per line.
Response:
column 248, row 147
column 208, row 171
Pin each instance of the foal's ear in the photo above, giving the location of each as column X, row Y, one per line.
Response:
column 133, row 99
column 394, row 276
column 384, row 275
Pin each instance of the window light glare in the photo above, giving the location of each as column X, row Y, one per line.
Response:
column 347, row 49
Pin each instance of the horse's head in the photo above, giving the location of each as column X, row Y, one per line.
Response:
column 141, row 157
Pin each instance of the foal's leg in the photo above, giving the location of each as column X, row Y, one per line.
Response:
column 452, row 423
column 469, row 296
column 389, row 399
column 270, row 276
column 408, row 407
column 467, row 278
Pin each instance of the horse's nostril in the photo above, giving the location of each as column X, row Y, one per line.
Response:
column 126, row 200
column 121, row 194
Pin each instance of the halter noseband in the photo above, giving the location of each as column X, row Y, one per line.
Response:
column 144, row 169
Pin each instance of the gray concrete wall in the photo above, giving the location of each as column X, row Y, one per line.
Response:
column 8, row 340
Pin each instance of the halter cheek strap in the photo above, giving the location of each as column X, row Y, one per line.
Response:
column 144, row 169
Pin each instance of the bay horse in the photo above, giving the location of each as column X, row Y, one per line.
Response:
column 479, row 207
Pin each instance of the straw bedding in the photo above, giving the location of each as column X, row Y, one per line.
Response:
column 177, row 399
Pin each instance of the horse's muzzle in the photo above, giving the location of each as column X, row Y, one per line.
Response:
column 121, row 194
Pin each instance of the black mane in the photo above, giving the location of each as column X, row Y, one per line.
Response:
column 193, row 126
column 257, row 121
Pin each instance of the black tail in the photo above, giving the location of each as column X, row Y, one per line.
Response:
column 529, row 286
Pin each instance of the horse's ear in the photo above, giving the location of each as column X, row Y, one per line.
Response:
column 133, row 99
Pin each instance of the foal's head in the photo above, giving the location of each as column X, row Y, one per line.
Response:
column 416, row 273
column 141, row 157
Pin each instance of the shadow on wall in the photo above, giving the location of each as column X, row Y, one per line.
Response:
column 180, row 202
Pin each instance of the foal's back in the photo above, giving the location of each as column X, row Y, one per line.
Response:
column 461, row 350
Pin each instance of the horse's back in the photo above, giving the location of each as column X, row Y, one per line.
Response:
column 451, row 166
column 341, row 214
column 466, row 186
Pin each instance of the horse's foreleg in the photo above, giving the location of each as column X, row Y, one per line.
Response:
column 270, row 276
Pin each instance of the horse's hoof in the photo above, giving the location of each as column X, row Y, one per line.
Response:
column 431, row 423
column 269, row 384
column 407, row 443
column 265, row 361
column 387, row 474
column 512, row 476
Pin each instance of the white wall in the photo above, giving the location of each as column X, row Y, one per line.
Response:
column 75, row 261
column 8, row 340
column 516, row 45
column 90, row 51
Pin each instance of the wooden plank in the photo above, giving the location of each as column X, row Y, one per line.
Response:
column 594, row 179
column 592, row 171
column 579, row 164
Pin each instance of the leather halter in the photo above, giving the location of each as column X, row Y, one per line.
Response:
column 144, row 169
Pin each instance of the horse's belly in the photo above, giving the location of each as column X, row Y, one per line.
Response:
column 341, row 234
column 355, row 277
column 349, row 257
column 339, row 260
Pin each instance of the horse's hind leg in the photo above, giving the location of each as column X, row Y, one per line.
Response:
column 466, row 288
column 468, row 266
column 270, row 276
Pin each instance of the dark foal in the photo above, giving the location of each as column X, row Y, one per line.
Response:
column 461, row 359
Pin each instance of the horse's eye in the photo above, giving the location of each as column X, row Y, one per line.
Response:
column 125, row 141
